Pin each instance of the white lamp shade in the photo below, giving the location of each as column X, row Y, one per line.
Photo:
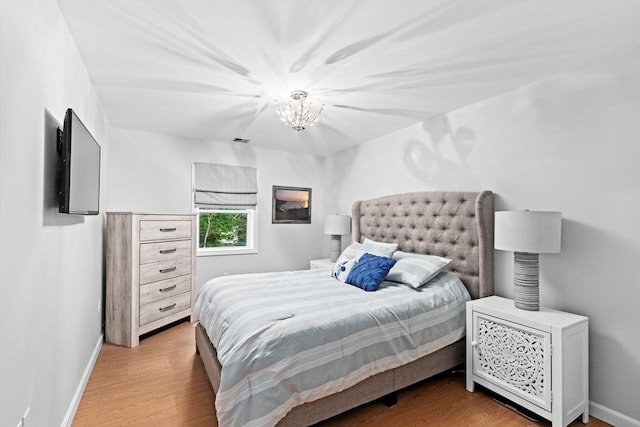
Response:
column 337, row 224
column 534, row 232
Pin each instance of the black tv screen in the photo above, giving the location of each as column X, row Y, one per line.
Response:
column 79, row 168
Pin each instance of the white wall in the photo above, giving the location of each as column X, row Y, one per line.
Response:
column 50, row 264
column 569, row 143
column 150, row 172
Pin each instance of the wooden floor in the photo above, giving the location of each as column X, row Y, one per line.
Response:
column 163, row 383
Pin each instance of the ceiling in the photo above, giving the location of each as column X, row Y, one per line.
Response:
column 211, row 70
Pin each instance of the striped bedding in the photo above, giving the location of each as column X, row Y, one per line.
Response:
column 287, row 338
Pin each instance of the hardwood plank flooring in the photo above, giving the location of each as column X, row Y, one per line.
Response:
column 162, row 383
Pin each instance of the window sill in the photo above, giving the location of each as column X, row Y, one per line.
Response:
column 229, row 251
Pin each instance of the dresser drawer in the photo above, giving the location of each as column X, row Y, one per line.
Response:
column 164, row 307
column 162, row 270
column 154, row 252
column 165, row 288
column 163, row 230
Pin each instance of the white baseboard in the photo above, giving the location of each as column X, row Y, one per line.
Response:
column 77, row 396
column 612, row 417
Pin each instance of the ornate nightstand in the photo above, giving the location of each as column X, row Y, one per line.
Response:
column 537, row 359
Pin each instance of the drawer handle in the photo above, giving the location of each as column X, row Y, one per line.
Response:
column 168, row 251
column 165, row 230
column 167, row 270
column 168, row 288
column 474, row 343
column 167, row 308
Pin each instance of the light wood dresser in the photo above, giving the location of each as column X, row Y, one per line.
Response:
column 150, row 272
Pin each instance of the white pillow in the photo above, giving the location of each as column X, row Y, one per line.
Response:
column 343, row 267
column 351, row 252
column 355, row 250
column 379, row 248
column 415, row 269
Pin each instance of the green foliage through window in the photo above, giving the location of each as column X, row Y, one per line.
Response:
column 223, row 229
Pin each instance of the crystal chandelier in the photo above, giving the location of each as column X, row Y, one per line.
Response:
column 298, row 113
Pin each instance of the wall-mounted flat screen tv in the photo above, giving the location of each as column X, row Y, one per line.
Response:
column 79, row 168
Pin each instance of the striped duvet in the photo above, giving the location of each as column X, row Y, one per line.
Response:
column 287, row 338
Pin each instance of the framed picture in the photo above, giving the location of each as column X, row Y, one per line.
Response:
column 291, row 205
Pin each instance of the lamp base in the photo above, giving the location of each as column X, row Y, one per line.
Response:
column 336, row 244
column 526, row 285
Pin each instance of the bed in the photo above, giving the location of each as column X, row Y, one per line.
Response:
column 454, row 225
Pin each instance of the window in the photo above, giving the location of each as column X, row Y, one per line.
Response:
column 226, row 231
column 225, row 199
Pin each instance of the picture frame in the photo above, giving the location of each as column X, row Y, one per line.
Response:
column 291, row 205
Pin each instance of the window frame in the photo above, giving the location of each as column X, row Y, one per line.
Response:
column 252, row 233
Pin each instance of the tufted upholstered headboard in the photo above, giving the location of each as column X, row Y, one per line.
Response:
column 453, row 224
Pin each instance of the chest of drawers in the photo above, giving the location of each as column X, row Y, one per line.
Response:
column 150, row 273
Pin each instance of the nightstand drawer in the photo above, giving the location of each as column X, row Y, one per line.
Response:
column 164, row 270
column 158, row 290
column 154, row 252
column 164, row 230
column 164, row 307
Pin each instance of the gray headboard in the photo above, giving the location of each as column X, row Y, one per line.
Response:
column 453, row 224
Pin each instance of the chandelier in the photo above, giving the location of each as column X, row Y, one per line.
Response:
column 298, row 113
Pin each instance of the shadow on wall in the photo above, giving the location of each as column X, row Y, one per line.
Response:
column 244, row 154
column 590, row 253
column 625, row 356
column 302, row 165
column 341, row 168
column 593, row 255
column 447, row 154
column 50, row 214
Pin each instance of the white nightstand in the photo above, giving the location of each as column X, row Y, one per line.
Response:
column 320, row 263
column 537, row 359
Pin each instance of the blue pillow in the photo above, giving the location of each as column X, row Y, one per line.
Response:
column 370, row 271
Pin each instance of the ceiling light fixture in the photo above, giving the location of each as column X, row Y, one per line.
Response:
column 298, row 113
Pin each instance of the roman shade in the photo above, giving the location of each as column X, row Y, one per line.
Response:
column 224, row 186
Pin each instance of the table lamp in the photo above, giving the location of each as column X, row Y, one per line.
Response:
column 336, row 226
column 527, row 234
